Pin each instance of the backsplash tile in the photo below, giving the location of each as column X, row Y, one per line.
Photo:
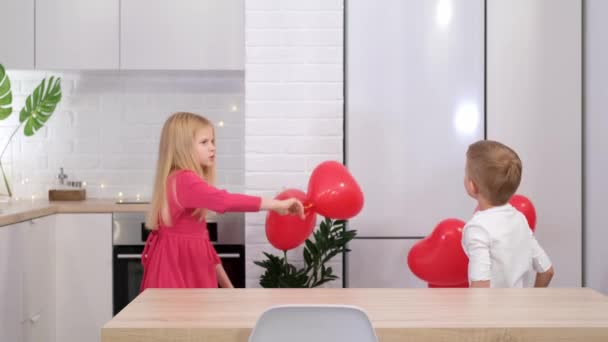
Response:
column 106, row 129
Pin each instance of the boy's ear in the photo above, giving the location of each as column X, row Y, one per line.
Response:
column 473, row 187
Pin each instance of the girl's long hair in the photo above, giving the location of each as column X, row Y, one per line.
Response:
column 176, row 152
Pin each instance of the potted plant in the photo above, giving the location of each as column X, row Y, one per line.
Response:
column 328, row 241
column 38, row 108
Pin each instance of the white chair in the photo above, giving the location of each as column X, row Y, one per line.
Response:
column 313, row 323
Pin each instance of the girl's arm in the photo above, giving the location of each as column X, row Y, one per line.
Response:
column 222, row 277
column 193, row 192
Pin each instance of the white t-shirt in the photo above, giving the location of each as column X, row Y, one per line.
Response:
column 501, row 248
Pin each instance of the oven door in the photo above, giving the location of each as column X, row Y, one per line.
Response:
column 233, row 260
column 128, row 272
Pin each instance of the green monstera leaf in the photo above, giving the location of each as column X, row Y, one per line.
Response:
column 6, row 95
column 40, row 105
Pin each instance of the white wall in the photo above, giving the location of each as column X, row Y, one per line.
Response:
column 107, row 127
column 293, row 99
column 596, row 144
column 534, row 106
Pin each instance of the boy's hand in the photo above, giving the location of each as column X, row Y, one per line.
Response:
column 480, row 283
column 543, row 279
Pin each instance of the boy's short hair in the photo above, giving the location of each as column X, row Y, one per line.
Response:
column 495, row 169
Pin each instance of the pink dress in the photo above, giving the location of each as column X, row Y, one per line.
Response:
column 181, row 256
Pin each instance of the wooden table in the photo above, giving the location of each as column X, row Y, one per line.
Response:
column 512, row 315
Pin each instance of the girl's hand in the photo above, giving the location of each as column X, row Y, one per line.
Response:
column 291, row 206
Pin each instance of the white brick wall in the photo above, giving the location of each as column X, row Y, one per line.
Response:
column 293, row 104
column 107, row 127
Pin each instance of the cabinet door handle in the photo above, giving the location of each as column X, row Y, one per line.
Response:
column 128, row 256
column 229, row 255
column 35, row 318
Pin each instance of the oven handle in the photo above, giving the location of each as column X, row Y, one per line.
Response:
column 229, row 255
column 128, row 256
column 138, row 256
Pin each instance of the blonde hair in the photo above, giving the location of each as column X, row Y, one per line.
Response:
column 176, row 152
column 495, row 169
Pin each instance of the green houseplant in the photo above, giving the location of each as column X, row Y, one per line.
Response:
column 38, row 108
column 328, row 241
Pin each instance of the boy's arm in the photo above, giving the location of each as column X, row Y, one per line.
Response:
column 544, row 278
column 541, row 264
column 476, row 244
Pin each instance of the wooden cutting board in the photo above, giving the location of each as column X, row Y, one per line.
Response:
column 67, row 194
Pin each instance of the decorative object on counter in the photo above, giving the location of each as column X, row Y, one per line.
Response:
column 67, row 194
column 38, row 108
column 328, row 241
column 61, row 176
column 67, row 191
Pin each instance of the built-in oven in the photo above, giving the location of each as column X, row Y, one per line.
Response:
column 129, row 236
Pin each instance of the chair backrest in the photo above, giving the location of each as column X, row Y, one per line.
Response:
column 318, row 323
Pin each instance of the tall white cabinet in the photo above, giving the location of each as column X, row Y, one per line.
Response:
column 418, row 74
column 596, row 144
column 414, row 102
column 534, row 104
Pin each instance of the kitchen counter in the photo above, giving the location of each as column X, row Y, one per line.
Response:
column 228, row 315
column 23, row 210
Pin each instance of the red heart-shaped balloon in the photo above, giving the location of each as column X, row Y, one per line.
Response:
column 439, row 258
column 525, row 206
column 333, row 192
column 286, row 232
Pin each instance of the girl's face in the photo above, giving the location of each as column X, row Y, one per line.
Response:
column 204, row 146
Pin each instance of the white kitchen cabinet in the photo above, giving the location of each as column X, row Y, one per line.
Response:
column 17, row 34
column 182, row 34
column 534, row 80
column 415, row 99
column 596, row 145
column 84, row 276
column 39, row 279
column 380, row 263
column 11, row 283
column 75, row 34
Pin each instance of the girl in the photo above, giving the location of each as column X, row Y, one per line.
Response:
column 178, row 253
